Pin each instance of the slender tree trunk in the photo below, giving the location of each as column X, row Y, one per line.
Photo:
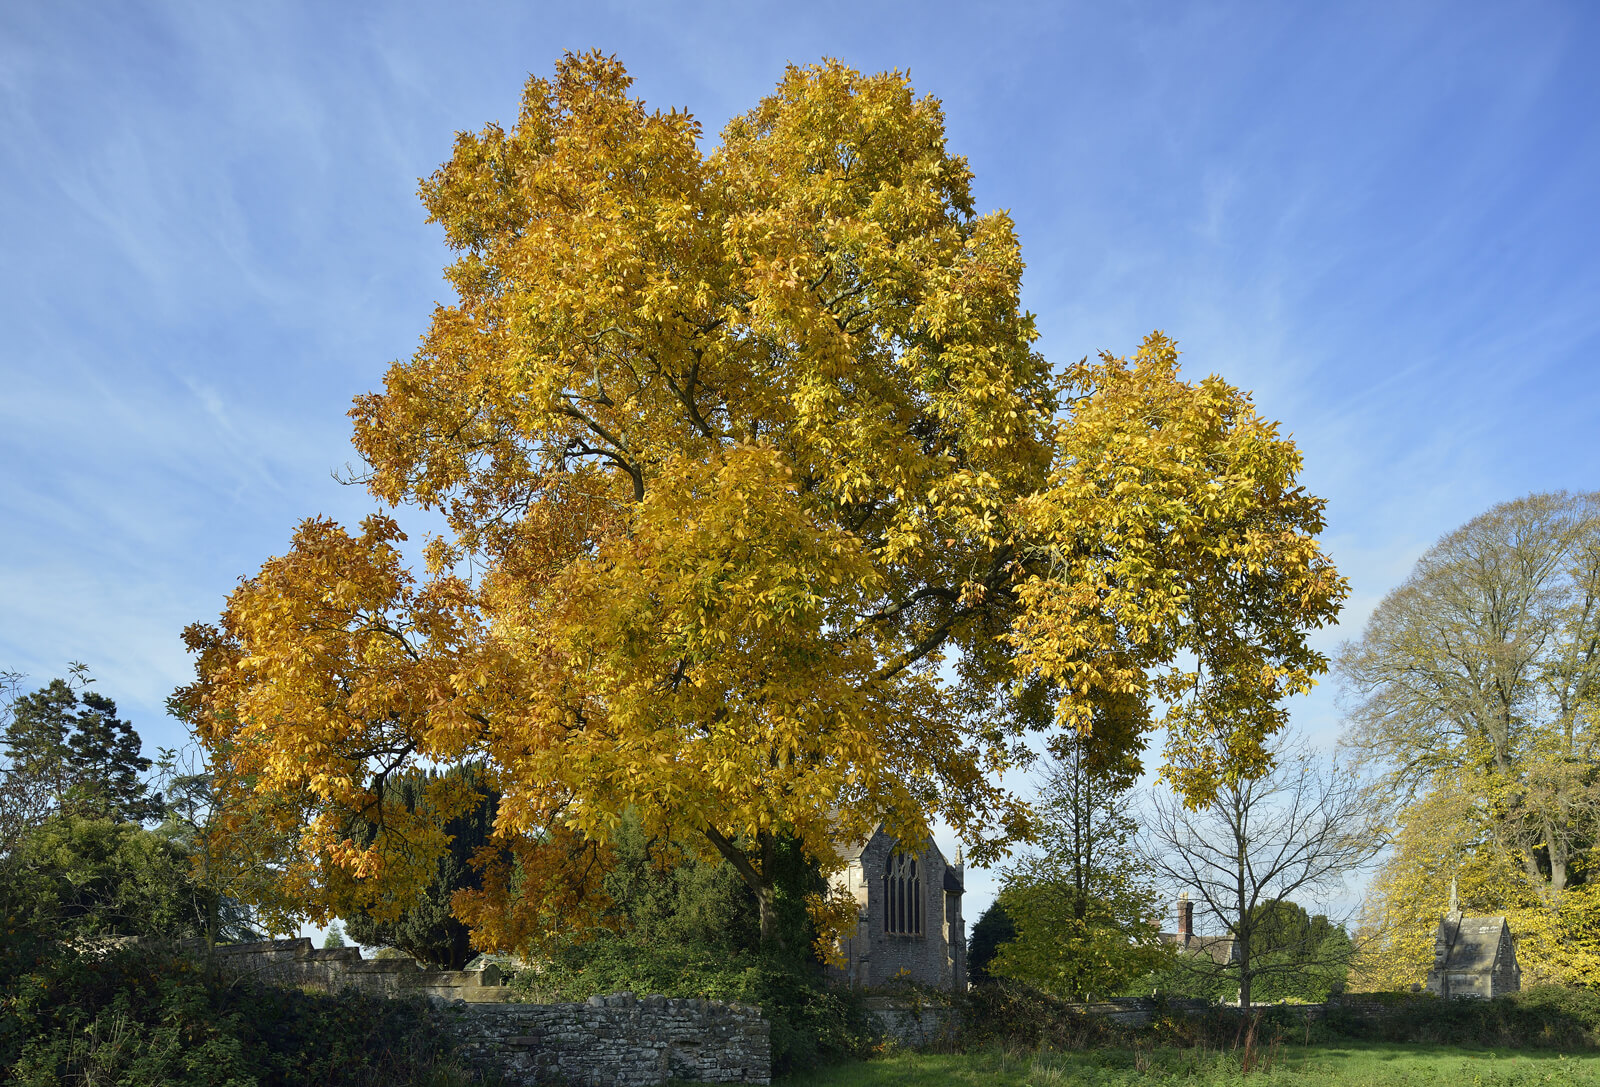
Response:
column 760, row 880
column 1558, row 863
column 766, row 901
column 1245, row 978
column 1241, row 936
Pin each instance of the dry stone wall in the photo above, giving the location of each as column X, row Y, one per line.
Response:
column 611, row 1041
column 618, row 1041
column 296, row 963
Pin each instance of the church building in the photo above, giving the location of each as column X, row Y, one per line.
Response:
column 909, row 926
column 1473, row 956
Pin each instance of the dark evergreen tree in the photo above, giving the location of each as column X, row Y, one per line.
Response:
column 994, row 927
column 36, row 737
column 425, row 928
column 76, row 858
column 1303, row 956
column 103, row 752
column 85, row 757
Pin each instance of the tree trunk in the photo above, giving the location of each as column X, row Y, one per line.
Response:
column 1558, row 862
column 760, row 880
column 1245, row 977
column 766, row 900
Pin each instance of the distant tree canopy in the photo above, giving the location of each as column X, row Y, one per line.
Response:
column 766, row 522
column 1295, row 956
column 77, row 859
column 1304, row 956
column 1475, row 688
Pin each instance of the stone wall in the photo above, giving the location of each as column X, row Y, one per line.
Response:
column 296, row 963
column 612, row 1041
column 911, row 1022
column 617, row 1041
column 935, row 957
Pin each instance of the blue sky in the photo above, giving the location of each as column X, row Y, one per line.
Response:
column 1382, row 218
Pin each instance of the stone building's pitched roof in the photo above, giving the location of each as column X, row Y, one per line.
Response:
column 1473, row 942
column 1219, row 948
column 851, row 851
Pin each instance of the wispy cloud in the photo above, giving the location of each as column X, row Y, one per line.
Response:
column 1380, row 219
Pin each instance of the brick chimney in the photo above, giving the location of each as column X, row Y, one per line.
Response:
column 1185, row 919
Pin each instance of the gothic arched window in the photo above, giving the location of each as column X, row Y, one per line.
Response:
column 902, row 896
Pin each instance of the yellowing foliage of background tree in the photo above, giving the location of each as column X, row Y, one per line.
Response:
column 1474, row 686
column 765, row 519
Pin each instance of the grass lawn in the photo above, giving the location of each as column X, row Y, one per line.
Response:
column 1352, row 1065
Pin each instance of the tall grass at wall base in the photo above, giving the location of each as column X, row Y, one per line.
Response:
column 1350, row 1065
column 1544, row 1017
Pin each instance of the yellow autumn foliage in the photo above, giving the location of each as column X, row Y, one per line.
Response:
column 765, row 519
column 1473, row 690
column 1445, row 837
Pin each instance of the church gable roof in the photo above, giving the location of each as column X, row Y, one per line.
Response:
column 850, row 852
column 1473, row 943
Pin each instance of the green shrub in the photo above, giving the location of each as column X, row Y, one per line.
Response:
column 74, row 876
column 689, row 927
column 1547, row 1017
column 138, row 1015
column 1009, row 1013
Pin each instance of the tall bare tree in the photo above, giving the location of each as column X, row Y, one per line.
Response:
column 1484, row 667
column 1476, row 689
column 1294, row 832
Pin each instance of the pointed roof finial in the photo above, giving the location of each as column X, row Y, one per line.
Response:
column 1453, row 907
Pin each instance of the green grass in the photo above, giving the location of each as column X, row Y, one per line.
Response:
column 1352, row 1065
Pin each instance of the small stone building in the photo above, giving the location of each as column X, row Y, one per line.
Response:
column 910, row 926
column 1473, row 956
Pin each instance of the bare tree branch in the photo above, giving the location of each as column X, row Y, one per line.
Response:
column 1295, row 832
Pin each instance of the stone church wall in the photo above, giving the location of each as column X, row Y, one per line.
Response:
column 297, row 964
column 1507, row 978
column 936, row 957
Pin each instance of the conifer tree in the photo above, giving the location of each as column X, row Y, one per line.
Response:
column 423, row 925
column 71, row 742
